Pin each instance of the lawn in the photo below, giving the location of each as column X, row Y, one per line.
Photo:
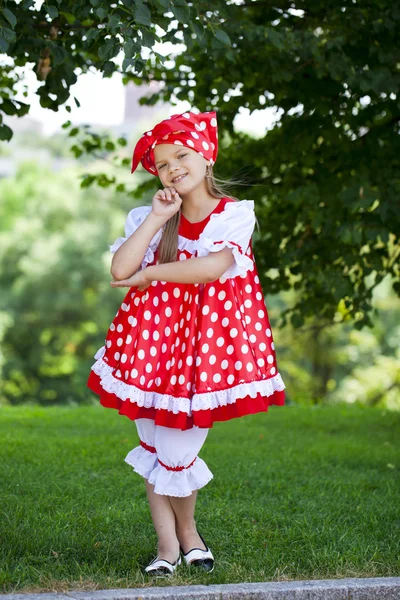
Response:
column 298, row 493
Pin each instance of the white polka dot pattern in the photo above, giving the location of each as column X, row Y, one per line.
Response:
column 191, row 347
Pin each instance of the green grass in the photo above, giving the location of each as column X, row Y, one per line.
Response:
column 298, row 493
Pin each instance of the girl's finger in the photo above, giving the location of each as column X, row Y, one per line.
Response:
column 121, row 283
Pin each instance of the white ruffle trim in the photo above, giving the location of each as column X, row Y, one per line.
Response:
column 242, row 262
column 232, row 227
column 180, row 483
column 234, row 224
column 100, row 352
column 142, row 461
column 168, row 483
column 206, row 401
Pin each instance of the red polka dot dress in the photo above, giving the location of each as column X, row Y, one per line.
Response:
column 192, row 354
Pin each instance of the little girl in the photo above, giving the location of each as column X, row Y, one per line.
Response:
column 191, row 343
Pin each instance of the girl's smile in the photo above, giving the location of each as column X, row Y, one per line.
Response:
column 178, row 178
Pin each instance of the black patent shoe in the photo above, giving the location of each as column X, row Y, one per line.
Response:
column 196, row 557
column 159, row 567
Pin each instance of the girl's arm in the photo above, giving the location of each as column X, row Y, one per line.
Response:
column 128, row 258
column 193, row 270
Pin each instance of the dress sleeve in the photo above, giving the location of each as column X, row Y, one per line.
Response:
column 135, row 218
column 232, row 228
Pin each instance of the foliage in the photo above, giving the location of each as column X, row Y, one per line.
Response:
column 327, row 183
column 62, row 37
column 324, row 179
column 56, row 302
column 326, row 363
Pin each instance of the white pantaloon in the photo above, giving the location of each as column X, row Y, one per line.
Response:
column 168, row 459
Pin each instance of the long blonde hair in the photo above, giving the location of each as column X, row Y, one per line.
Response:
column 168, row 246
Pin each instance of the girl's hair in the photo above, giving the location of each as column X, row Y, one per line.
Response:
column 168, row 247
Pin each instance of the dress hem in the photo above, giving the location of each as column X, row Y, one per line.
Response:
column 181, row 420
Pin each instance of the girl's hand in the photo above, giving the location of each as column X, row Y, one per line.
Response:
column 139, row 279
column 166, row 203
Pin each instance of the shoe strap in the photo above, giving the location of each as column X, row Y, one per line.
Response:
column 157, row 563
column 197, row 554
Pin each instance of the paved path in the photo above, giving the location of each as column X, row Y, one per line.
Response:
column 379, row 588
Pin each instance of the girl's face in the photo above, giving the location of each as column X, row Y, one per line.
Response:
column 180, row 167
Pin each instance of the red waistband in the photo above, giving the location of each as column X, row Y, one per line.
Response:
column 154, row 451
column 176, row 468
column 147, row 447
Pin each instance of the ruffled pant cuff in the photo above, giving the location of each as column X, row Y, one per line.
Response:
column 169, row 482
column 142, row 461
column 180, row 483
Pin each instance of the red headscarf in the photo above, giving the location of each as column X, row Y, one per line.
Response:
column 196, row 131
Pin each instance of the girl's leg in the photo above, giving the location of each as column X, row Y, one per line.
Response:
column 186, row 530
column 179, row 449
column 164, row 523
column 160, row 507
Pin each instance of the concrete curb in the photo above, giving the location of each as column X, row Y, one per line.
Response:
column 375, row 588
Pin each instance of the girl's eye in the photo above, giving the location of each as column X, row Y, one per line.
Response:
column 180, row 156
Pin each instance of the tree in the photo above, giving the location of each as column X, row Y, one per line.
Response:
column 324, row 179
column 60, row 37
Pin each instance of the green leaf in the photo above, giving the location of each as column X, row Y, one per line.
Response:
column 87, row 180
column 139, row 65
column 10, row 17
column 8, row 34
column 92, row 35
column 108, row 68
column 164, row 4
column 101, row 13
column 160, row 57
column 58, row 52
column 181, row 11
column 198, row 29
column 223, row 37
column 78, row 104
column 14, row 107
column 5, row 133
column 109, row 49
column 114, row 22
column 69, row 17
column 148, row 38
column 131, row 48
column 127, row 62
column 95, row 3
column 142, row 14
column 4, row 45
column 52, row 11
